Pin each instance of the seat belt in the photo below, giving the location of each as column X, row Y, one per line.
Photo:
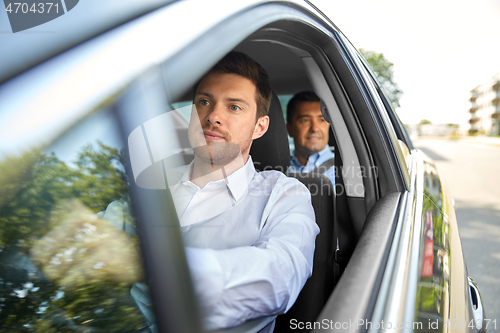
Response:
column 321, row 169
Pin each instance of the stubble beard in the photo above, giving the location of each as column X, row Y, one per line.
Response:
column 217, row 153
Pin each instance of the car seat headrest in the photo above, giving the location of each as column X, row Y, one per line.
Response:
column 271, row 151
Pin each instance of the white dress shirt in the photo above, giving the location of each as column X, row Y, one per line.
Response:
column 249, row 241
column 314, row 161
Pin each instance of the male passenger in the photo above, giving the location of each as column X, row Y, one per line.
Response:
column 309, row 130
column 250, row 236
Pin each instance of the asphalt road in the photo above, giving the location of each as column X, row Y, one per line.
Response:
column 471, row 173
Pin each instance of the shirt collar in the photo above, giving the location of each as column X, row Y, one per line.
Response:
column 326, row 152
column 237, row 183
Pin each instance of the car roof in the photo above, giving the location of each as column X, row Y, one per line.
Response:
column 25, row 49
column 89, row 18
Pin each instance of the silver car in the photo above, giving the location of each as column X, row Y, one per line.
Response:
column 77, row 96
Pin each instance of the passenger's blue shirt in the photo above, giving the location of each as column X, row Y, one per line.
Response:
column 313, row 162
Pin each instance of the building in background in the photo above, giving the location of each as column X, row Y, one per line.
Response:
column 437, row 129
column 485, row 108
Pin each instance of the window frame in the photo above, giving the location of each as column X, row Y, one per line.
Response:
column 370, row 123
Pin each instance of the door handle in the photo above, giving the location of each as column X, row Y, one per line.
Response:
column 477, row 306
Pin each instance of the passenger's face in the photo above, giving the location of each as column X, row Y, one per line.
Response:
column 308, row 128
column 226, row 108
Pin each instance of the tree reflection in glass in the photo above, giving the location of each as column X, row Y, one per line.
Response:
column 62, row 266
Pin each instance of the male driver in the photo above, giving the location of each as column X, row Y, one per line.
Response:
column 309, row 130
column 249, row 236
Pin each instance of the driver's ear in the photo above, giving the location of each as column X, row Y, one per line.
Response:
column 261, row 127
column 289, row 129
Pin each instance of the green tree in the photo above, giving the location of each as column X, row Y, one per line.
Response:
column 100, row 176
column 32, row 184
column 385, row 74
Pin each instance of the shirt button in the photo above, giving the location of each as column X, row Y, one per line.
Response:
column 199, row 195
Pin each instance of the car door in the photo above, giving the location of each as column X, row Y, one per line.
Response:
column 139, row 88
column 125, row 79
column 355, row 116
column 377, row 206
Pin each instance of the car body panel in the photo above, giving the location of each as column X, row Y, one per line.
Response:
column 24, row 50
column 419, row 280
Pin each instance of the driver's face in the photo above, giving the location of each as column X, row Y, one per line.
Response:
column 226, row 110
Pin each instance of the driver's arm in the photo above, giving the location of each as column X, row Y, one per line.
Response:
column 242, row 283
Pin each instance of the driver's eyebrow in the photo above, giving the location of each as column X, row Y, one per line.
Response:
column 238, row 100
column 204, row 94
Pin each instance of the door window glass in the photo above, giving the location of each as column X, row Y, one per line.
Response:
column 69, row 253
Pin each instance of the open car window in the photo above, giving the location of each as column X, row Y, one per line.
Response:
column 95, row 235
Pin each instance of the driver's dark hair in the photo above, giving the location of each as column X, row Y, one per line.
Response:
column 240, row 64
column 304, row 96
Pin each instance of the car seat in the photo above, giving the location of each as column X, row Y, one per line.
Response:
column 271, row 152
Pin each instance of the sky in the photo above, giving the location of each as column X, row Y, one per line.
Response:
column 440, row 49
